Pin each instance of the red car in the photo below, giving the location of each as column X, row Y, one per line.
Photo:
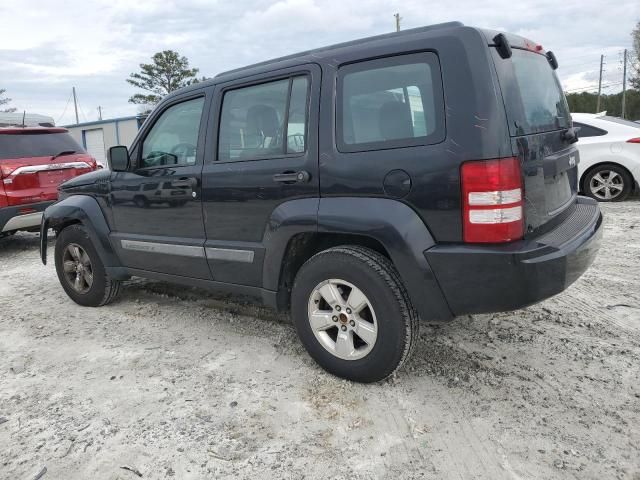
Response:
column 34, row 161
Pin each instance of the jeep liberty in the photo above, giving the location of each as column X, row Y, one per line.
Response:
column 428, row 173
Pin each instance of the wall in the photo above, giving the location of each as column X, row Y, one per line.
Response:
column 119, row 131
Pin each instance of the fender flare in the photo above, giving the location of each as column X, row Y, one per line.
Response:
column 390, row 222
column 85, row 210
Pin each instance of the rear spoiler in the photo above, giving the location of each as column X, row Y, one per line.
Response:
column 503, row 46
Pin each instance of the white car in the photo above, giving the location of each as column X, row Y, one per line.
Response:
column 609, row 168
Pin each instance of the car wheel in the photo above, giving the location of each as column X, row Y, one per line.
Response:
column 141, row 202
column 608, row 183
column 80, row 270
column 353, row 314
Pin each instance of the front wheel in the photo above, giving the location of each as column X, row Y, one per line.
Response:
column 80, row 270
column 353, row 314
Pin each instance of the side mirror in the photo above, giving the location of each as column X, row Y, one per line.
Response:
column 118, row 158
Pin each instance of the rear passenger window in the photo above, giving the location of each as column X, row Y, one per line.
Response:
column 255, row 120
column 390, row 103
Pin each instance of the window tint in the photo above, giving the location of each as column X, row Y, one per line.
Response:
column 173, row 140
column 252, row 122
column 588, row 130
column 297, row 123
column 389, row 103
column 532, row 93
column 26, row 145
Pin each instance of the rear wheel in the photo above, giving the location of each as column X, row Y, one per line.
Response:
column 608, row 183
column 80, row 270
column 353, row 314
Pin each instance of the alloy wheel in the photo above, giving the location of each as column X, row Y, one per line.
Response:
column 342, row 319
column 78, row 271
column 606, row 185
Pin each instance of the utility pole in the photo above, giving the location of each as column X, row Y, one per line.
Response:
column 600, row 84
column 624, row 83
column 75, row 104
column 99, row 112
column 398, row 18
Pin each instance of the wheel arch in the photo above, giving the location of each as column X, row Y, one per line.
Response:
column 591, row 168
column 386, row 226
column 83, row 210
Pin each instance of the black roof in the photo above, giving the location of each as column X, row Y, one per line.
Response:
column 323, row 51
column 308, row 55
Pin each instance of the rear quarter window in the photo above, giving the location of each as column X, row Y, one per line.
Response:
column 390, row 103
column 588, row 130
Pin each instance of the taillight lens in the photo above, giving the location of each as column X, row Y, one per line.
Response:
column 492, row 201
column 634, row 140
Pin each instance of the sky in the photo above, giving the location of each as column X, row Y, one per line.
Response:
column 47, row 47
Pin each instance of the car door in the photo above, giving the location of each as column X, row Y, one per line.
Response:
column 156, row 205
column 264, row 156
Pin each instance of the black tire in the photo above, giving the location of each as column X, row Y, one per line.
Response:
column 141, row 202
column 621, row 179
column 377, row 278
column 103, row 288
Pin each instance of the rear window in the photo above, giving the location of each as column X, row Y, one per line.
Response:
column 532, row 93
column 26, row 145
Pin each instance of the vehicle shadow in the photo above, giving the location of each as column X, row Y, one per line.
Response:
column 21, row 242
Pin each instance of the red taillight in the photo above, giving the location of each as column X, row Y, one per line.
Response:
column 492, row 201
column 634, row 140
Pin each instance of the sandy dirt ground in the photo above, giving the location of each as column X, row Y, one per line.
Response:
column 169, row 382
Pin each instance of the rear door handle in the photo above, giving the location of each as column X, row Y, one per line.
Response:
column 184, row 182
column 292, row 177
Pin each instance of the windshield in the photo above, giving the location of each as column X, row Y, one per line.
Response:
column 532, row 93
column 25, row 145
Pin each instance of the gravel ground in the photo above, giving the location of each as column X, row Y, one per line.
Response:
column 169, row 382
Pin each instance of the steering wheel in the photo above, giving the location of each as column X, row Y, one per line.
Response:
column 184, row 150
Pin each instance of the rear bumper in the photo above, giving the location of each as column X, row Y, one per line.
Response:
column 484, row 279
column 22, row 217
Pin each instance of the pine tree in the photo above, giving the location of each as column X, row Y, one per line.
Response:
column 168, row 72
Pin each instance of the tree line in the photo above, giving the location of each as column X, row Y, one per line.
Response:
column 586, row 102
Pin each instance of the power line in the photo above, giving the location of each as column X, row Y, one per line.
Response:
column 65, row 108
column 592, row 87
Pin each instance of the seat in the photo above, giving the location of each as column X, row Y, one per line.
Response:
column 395, row 120
column 262, row 128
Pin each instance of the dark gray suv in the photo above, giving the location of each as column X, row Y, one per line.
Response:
column 424, row 174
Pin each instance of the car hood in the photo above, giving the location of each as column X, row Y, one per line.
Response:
column 86, row 179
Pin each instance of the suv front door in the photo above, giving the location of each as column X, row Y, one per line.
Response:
column 156, row 205
column 266, row 155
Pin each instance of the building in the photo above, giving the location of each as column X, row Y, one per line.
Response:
column 97, row 137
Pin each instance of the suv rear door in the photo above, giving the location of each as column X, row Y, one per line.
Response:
column 538, row 117
column 251, row 169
